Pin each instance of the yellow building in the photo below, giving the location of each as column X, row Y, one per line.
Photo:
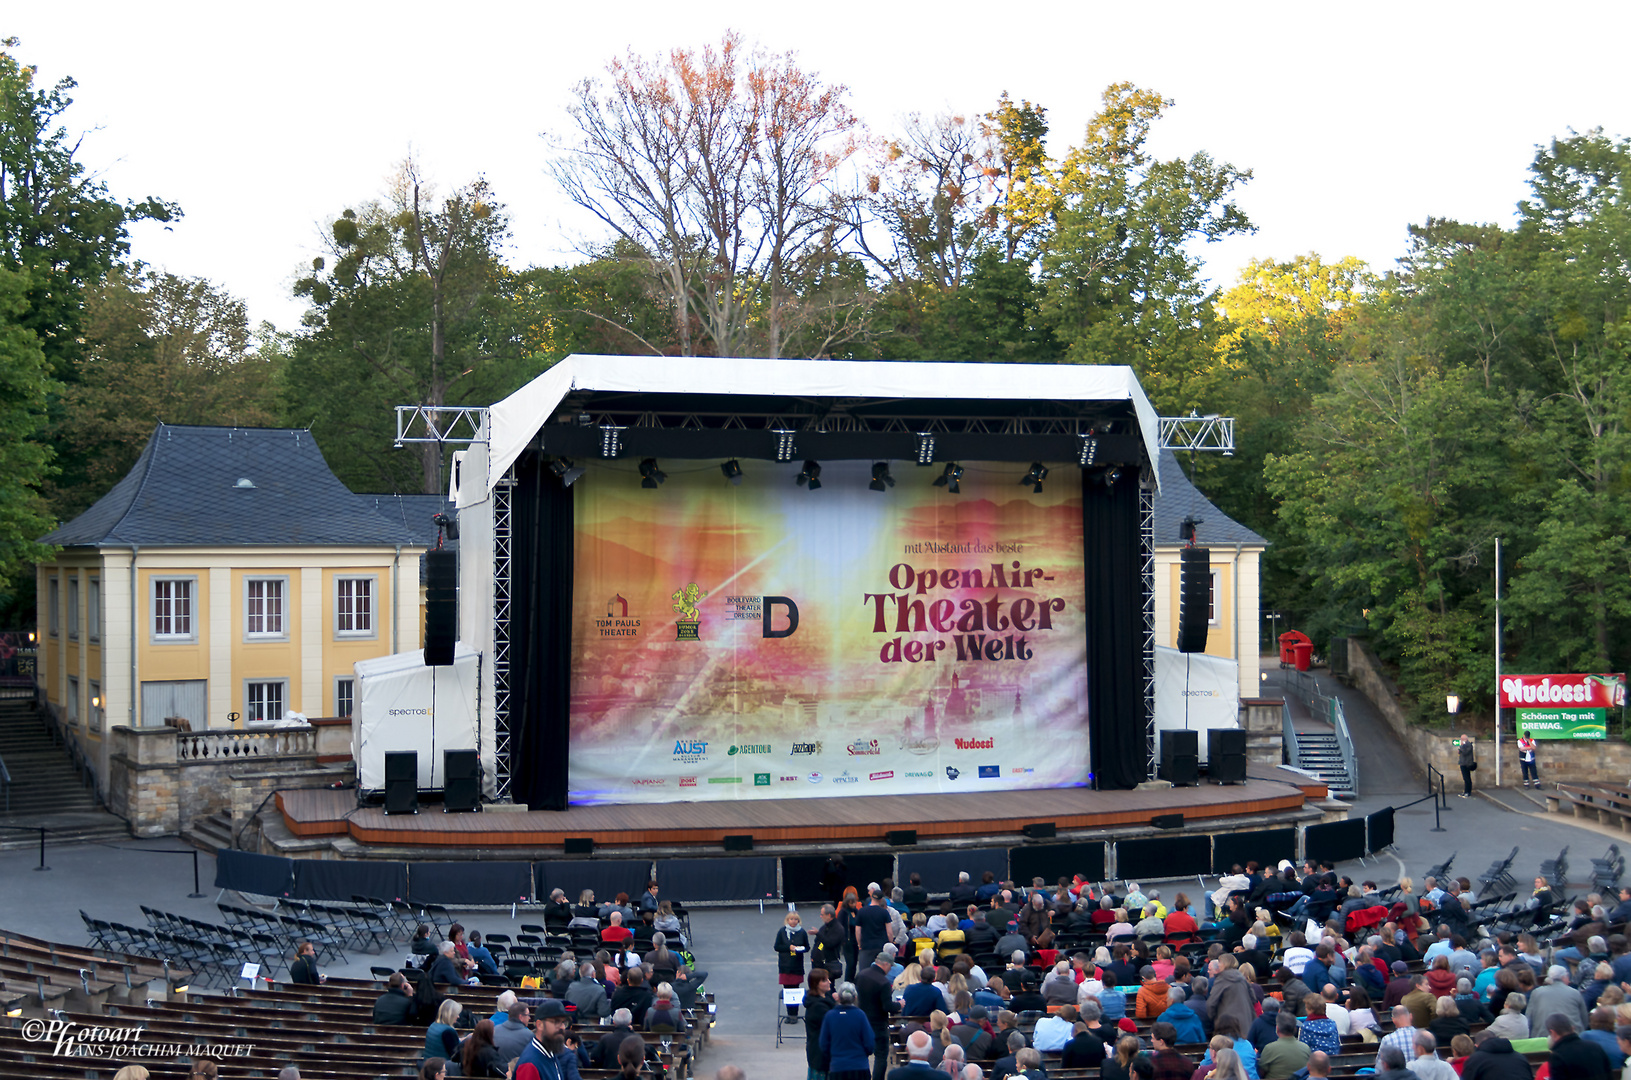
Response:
column 1236, row 554
column 229, row 577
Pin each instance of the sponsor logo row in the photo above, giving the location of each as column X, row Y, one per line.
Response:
column 692, row 751
column 764, row 779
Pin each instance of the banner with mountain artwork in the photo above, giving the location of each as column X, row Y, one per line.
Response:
column 766, row 639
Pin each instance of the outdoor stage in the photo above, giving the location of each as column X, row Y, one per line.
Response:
column 811, row 822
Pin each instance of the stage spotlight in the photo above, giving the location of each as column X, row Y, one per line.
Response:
column 1038, row 473
column 1090, row 450
column 650, row 475
column 732, row 470
column 784, row 444
column 881, row 480
column 1186, row 528
column 925, row 448
column 949, row 476
column 809, row 475
column 611, row 440
column 1111, row 475
column 568, row 473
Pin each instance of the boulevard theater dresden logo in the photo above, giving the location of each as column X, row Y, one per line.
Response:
column 617, row 623
column 685, row 602
column 762, row 609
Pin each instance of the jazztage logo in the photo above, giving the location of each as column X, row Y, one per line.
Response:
column 920, row 746
column 975, row 744
column 804, row 748
column 890, row 775
column 688, row 781
column 951, row 773
column 990, row 772
column 927, row 775
column 815, row 778
column 690, row 751
column 761, row 779
column 686, row 600
column 748, row 748
column 846, row 777
column 862, row 747
column 645, row 781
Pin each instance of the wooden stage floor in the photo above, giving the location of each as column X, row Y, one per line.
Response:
column 865, row 818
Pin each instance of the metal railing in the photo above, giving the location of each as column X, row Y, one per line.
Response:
column 1327, row 707
column 5, row 783
column 1288, row 733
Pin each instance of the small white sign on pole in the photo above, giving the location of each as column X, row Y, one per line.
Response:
column 250, row 971
column 792, row 995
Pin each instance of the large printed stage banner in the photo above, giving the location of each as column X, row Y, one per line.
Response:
column 762, row 640
column 1563, row 706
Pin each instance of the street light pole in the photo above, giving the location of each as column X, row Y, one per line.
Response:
column 1497, row 661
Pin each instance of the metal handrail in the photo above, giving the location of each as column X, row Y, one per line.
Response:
column 5, row 783
column 1345, row 742
column 1307, row 686
column 1288, row 733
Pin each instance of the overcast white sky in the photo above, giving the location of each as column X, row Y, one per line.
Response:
column 264, row 120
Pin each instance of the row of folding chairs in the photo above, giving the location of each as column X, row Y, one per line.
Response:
column 287, row 930
column 214, row 955
column 366, row 928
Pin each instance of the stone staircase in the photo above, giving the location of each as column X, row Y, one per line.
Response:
column 1320, row 755
column 210, row 834
column 45, row 788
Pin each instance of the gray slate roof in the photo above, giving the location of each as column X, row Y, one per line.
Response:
column 183, row 492
column 1178, row 499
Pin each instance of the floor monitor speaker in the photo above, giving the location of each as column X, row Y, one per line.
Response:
column 461, row 781
column 580, row 845
column 902, row 837
column 739, row 843
column 1168, row 821
column 1040, row 830
column 401, row 782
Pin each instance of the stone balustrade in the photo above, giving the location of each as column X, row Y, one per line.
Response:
column 194, row 747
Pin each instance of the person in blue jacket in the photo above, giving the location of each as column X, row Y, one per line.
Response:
column 846, row 1038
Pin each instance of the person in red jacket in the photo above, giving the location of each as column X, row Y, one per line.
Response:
column 1180, row 921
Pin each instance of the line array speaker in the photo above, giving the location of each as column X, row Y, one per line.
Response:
column 461, row 781
column 1194, row 598
column 739, row 843
column 441, row 607
column 401, row 782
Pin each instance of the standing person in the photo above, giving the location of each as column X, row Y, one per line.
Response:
column 818, row 1003
column 1469, row 762
column 792, row 943
column 1526, row 758
column 846, row 1038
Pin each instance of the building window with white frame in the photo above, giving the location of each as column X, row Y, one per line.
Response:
column 264, row 699
column 73, row 607
column 345, row 696
column 1212, row 598
column 53, row 592
column 97, row 706
column 354, row 606
column 72, row 703
column 264, row 615
column 93, row 610
column 173, row 609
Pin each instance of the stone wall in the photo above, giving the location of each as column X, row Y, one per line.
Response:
column 1265, row 730
column 161, row 780
column 1582, row 762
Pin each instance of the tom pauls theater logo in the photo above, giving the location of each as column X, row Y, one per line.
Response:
column 617, row 623
column 690, row 751
column 686, row 599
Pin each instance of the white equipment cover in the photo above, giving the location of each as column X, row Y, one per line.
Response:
column 1210, row 685
column 403, row 705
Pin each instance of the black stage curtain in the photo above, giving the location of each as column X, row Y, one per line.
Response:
column 469, row 882
column 540, row 635
column 320, row 879
column 263, row 875
column 1267, row 846
column 605, row 877
column 746, row 879
column 939, row 869
column 1050, row 862
column 1379, row 830
column 1163, row 857
column 1115, row 607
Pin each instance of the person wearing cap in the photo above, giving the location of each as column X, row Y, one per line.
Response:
column 1398, row 986
column 971, row 1033
column 548, row 1057
column 874, row 994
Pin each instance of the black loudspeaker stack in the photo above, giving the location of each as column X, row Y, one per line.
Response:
column 461, row 781
column 401, row 782
column 1180, row 758
column 1226, row 755
column 1194, row 598
column 441, row 607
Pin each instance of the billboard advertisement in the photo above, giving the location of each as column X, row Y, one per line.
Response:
column 1563, row 706
column 766, row 639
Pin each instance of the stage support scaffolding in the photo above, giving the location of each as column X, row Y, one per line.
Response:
column 1146, row 561
column 503, row 535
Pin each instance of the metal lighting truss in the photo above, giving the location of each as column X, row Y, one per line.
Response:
column 503, row 736
column 1146, row 569
column 440, row 424
column 1195, row 432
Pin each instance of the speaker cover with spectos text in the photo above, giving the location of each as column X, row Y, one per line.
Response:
column 760, row 640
